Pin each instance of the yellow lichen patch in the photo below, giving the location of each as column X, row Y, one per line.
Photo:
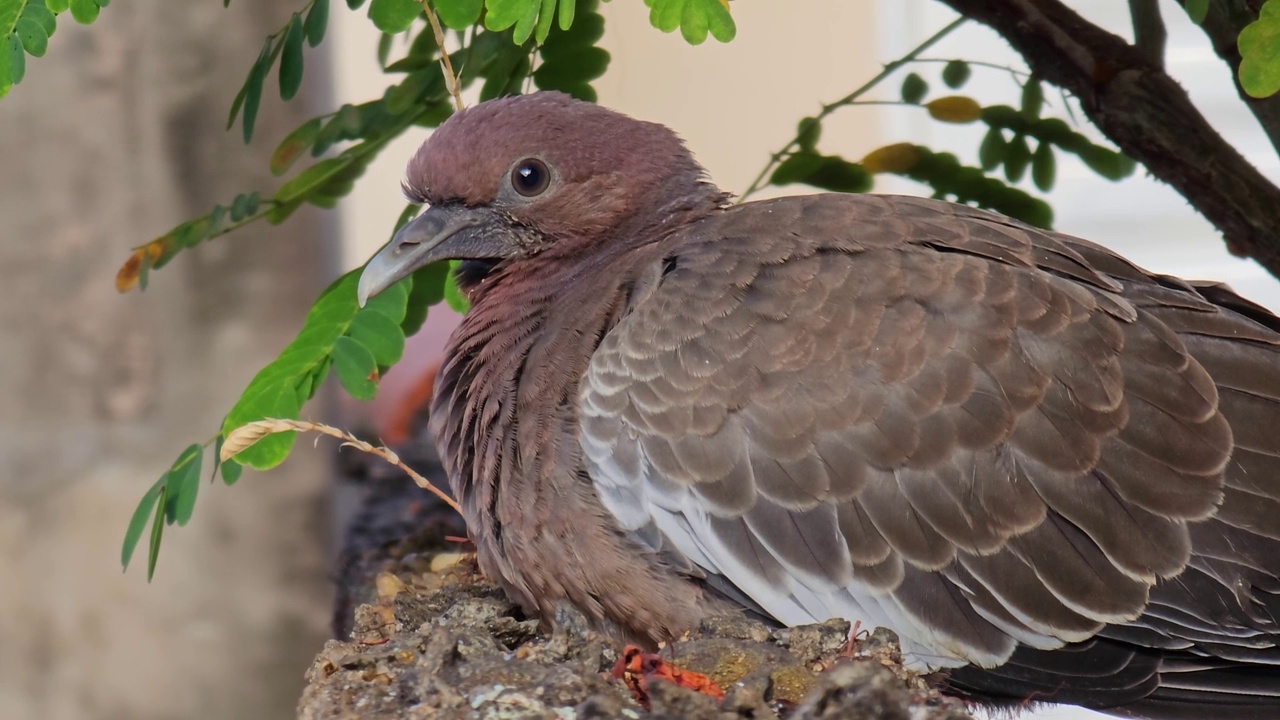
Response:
column 792, row 684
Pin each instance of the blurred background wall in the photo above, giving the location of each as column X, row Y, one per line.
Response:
column 114, row 137
column 118, row 134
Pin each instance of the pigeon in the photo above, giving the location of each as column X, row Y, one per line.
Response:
column 1053, row 474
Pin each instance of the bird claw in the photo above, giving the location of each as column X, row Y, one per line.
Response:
column 636, row 669
column 856, row 633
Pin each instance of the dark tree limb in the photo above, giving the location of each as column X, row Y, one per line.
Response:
column 1146, row 113
column 1223, row 23
column 1149, row 35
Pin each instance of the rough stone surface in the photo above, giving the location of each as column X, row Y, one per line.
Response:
column 447, row 644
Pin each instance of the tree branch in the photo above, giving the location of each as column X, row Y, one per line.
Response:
column 1144, row 112
column 1149, row 35
column 1223, row 23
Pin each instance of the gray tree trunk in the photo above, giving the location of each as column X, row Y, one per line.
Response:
column 113, row 138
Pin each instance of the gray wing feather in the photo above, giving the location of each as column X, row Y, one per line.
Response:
column 942, row 421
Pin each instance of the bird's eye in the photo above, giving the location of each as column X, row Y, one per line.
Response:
column 530, row 177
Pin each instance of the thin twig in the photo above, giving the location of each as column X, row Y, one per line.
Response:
column 888, row 70
column 245, row 436
column 977, row 63
column 450, row 79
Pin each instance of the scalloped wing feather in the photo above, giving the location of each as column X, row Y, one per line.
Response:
column 932, row 418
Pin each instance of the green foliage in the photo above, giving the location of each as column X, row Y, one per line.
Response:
column 1044, row 167
column 1006, row 146
column 394, row 16
column 453, row 296
column 1259, row 45
column 1032, row 99
column 291, row 58
column 954, row 181
column 571, row 59
column 956, row 73
column 1015, row 153
column 172, row 499
column 331, row 336
column 695, row 18
column 459, row 14
column 527, row 18
column 286, row 45
column 25, row 29
column 808, row 132
column 822, row 171
column 317, row 22
column 1197, row 10
column 914, row 89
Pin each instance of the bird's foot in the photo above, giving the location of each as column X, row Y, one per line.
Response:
column 636, row 669
column 850, row 648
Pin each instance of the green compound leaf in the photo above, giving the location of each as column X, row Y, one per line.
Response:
column 230, row 471
column 25, row 28
column 1044, row 167
column 1197, row 10
column 956, row 73
column 459, row 14
column 808, row 131
column 1017, row 158
column 428, row 290
column 250, row 96
column 1259, row 45
column 317, row 22
column 295, row 145
column 695, row 18
column 291, row 59
column 914, row 88
column 34, row 38
column 85, row 11
column 567, row 10
column 959, row 183
column 157, row 532
column 13, row 62
column 281, row 388
column 822, row 171
column 394, row 16
column 138, row 522
column 172, row 498
column 381, row 334
column 570, row 58
column 1032, row 98
column 518, row 14
column 453, row 295
column 356, row 368
column 182, row 483
column 991, row 151
column 546, row 17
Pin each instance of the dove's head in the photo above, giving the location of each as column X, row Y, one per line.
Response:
column 509, row 178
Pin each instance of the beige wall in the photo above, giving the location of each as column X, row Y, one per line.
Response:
column 115, row 136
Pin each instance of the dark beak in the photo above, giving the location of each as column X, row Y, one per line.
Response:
column 442, row 232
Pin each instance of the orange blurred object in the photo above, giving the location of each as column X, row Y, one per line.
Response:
column 413, row 404
column 637, row 668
